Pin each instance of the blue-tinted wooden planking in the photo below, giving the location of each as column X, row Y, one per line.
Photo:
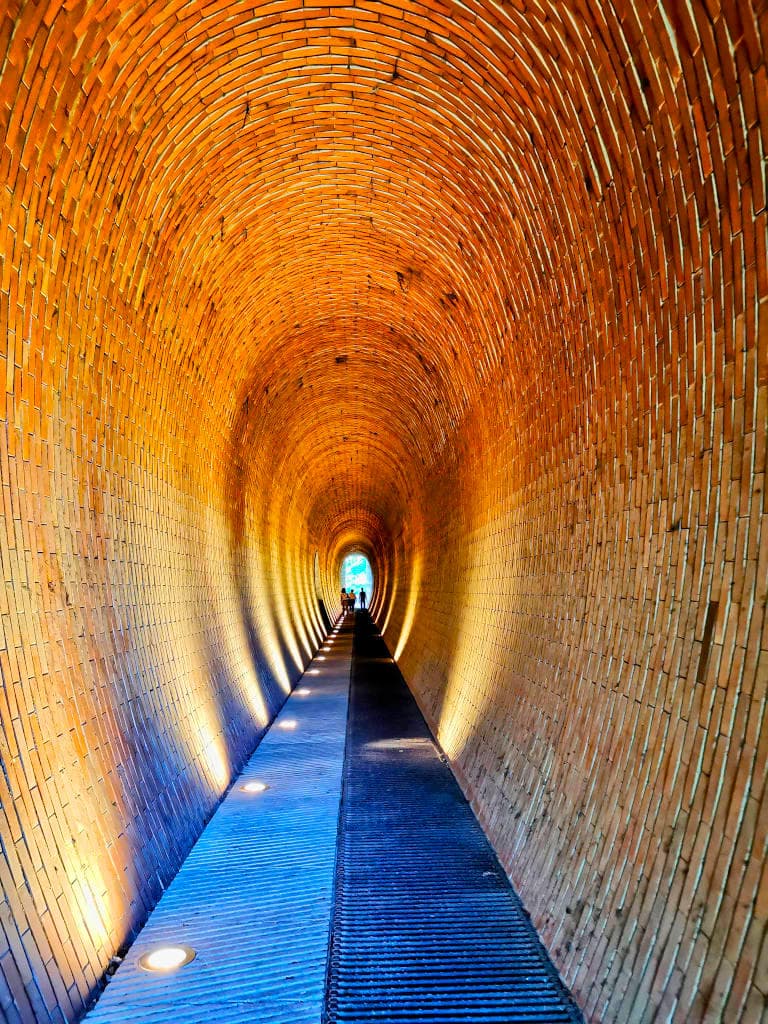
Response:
column 254, row 896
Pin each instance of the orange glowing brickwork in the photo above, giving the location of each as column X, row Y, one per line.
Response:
column 476, row 289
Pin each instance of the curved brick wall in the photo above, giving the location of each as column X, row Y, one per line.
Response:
column 478, row 289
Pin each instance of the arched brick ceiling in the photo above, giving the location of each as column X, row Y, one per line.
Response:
column 476, row 288
column 275, row 188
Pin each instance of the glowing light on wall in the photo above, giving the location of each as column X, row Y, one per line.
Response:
column 452, row 731
column 391, row 596
column 470, row 671
column 266, row 627
column 277, row 665
column 216, row 762
column 283, row 596
column 303, row 617
column 212, row 752
column 410, row 611
column 257, row 704
column 255, row 695
column 92, row 899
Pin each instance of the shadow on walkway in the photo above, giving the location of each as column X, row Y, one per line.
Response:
column 426, row 925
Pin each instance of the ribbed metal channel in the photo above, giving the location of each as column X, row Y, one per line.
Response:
column 426, row 926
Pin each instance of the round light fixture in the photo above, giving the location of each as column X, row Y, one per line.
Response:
column 254, row 787
column 313, row 672
column 287, row 723
column 303, row 691
column 166, row 958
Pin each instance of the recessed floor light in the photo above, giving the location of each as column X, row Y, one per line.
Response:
column 254, row 787
column 313, row 672
column 166, row 958
column 303, row 691
column 287, row 723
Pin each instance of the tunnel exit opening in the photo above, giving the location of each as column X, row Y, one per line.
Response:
column 356, row 573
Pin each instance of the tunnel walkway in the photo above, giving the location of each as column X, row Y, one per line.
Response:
column 426, row 926
column 423, row 923
column 253, row 898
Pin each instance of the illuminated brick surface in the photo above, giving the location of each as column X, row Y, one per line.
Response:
column 481, row 288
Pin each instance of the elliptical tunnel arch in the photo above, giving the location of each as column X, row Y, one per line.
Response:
column 480, row 287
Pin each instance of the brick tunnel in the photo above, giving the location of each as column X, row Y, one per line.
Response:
column 477, row 290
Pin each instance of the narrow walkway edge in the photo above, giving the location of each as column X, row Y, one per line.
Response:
column 253, row 899
column 426, row 926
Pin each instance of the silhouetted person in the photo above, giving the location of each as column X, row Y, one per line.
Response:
column 352, row 600
column 344, row 599
column 362, row 599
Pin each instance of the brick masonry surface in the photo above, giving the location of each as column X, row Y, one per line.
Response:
column 477, row 288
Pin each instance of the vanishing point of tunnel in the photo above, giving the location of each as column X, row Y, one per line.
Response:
column 475, row 289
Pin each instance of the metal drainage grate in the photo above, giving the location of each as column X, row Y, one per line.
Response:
column 426, row 926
